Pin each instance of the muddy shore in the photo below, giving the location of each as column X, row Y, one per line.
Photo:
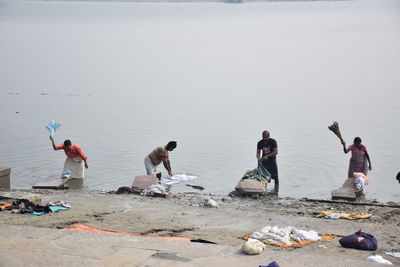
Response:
column 44, row 238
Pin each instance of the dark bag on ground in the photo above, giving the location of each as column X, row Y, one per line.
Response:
column 359, row 240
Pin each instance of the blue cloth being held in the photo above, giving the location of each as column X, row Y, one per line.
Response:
column 52, row 127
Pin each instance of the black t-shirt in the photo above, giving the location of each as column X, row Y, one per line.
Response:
column 268, row 147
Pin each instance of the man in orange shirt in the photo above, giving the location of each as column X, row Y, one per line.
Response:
column 75, row 160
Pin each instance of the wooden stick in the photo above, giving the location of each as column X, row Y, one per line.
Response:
column 346, row 202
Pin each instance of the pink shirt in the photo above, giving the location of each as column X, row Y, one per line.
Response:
column 362, row 148
column 75, row 151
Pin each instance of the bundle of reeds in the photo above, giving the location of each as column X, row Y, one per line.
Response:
column 335, row 129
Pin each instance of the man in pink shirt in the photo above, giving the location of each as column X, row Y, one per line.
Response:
column 75, row 160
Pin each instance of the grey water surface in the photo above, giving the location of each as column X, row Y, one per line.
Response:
column 123, row 78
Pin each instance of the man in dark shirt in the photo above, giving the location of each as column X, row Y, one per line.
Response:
column 269, row 149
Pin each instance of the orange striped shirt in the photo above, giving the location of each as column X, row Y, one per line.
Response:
column 74, row 151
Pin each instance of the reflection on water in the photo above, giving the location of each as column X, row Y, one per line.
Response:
column 124, row 78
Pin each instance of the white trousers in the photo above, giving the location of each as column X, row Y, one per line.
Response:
column 150, row 168
column 75, row 166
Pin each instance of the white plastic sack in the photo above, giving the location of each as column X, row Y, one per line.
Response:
column 253, row 247
column 52, row 127
column 211, row 203
column 378, row 259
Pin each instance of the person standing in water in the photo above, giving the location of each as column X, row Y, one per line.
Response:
column 75, row 160
column 269, row 149
column 158, row 156
column 359, row 161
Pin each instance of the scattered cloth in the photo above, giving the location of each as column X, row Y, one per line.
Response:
column 378, row 259
column 301, row 235
column 210, row 203
column 4, row 206
column 57, row 208
column 272, row 264
column 253, row 247
column 23, row 206
column 177, row 179
column 61, row 203
column 153, row 190
column 259, row 174
column 287, row 236
column 334, row 215
column 393, row 254
column 359, row 240
column 284, row 235
column 52, row 127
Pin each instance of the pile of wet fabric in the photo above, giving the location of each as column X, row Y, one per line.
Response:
column 259, row 174
column 178, row 178
column 287, row 236
column 334, row 215
column 156, row 190
column 24, row 206
column 153, row 190
column 284, row 235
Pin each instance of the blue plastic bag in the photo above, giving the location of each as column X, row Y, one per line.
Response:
column 272, row 264
column 359, row 240
column 66, row 174
column 52, row 127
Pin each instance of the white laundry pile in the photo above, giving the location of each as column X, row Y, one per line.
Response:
column 177, row 179
column 284, row 235
column 378, row 259
column 153, row 189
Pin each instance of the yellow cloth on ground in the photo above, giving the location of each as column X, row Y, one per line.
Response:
column 330, row 214
column 295, row 244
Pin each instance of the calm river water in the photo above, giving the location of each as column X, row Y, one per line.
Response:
column 123, row 78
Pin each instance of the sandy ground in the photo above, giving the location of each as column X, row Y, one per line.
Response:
column 42, row 241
